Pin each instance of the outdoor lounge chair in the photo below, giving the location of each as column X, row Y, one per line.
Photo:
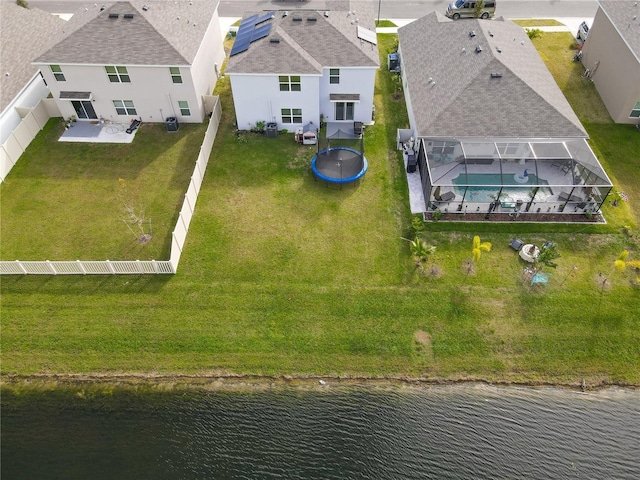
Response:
column 447, row 196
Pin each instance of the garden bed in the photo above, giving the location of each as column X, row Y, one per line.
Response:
column 510, row 217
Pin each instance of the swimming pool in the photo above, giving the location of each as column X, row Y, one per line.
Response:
column 482, row 187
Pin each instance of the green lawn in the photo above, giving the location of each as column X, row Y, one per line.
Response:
column 65, row 201
column 539, row 22
column 284, row 275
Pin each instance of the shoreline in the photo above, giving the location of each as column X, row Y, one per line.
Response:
column 249, row 382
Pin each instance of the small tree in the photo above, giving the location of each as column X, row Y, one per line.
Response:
column 22, row 3
column 621, row 265
column 479, row 247
column 533, row 33
column 477, row 11
column 548, row 253
column 476, row 252
column 420, row 250
column 134, row 217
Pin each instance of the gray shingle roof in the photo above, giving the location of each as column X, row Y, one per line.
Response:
column 24, row 34
column 463, row 99
column 621, row 13
column 308, row 47
column 164, row 33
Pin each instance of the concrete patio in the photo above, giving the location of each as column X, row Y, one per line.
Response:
column 97, row 132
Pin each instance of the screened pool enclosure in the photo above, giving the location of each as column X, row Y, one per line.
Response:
column 522, row 177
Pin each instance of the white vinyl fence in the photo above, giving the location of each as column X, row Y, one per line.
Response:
column 134, row 267
column 33, row 120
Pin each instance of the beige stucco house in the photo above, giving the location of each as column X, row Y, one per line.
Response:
column 611, row 55
column 149, row 60
column 492, row 131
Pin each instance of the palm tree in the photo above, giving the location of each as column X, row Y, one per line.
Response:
column 479, row 247
column 420, row 250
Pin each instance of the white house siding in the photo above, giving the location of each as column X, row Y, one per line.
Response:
column 407, row 99
column 617, row 75
column 151, row 89
column 258, row 98
column 208, row 61
column 352, row 81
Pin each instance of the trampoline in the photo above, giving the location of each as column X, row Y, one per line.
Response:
column 339, row 165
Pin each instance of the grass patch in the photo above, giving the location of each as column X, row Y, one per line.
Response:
column 63, row 201
column 282, row 274
column 385, row 24
column 538, row 22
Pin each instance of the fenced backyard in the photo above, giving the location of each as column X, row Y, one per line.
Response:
column 134, row 266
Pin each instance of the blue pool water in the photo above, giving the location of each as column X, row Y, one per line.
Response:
column 481, row 187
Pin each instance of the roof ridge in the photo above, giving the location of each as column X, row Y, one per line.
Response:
column 140, row 10
column 298, row 48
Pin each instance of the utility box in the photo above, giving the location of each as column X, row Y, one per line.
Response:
column 393, row 62
column 411, row 163
column 272, row 130
column 172, row 124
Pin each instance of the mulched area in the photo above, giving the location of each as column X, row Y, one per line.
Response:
column 523, row 217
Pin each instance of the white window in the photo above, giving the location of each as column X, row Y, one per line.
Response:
column 334, row 75
column 635, row 113
column 57, row 73
column 124, row 107
column 290, row 83
column 176, row 77
column 344, row 110
column 183, row 105
column 291, row 115
column 118, row 74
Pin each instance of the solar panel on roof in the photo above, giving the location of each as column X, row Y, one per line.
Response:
column 238, row 49
column 265, row 17
column 246, row 35
column 249, row 20
column 261, row 32
column 240, row 45
column 249, row 32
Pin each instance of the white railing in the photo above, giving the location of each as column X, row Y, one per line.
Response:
column 134, row 267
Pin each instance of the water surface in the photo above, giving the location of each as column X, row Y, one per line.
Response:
column 324, row 432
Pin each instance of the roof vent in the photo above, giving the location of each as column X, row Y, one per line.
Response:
column 312, row 19
column 496, row 75
column 128, row 15
column 326, row 14
column 498, row 49
column 472, row 34
column 478, row 49
column 145, row 7
column 274, row 40
column 297, row 18
column 285, row 13
column 103, row 7
column 114, row 15
column 490, row 34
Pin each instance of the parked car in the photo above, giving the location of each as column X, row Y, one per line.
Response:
column 466, row 9
column 583, row 31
